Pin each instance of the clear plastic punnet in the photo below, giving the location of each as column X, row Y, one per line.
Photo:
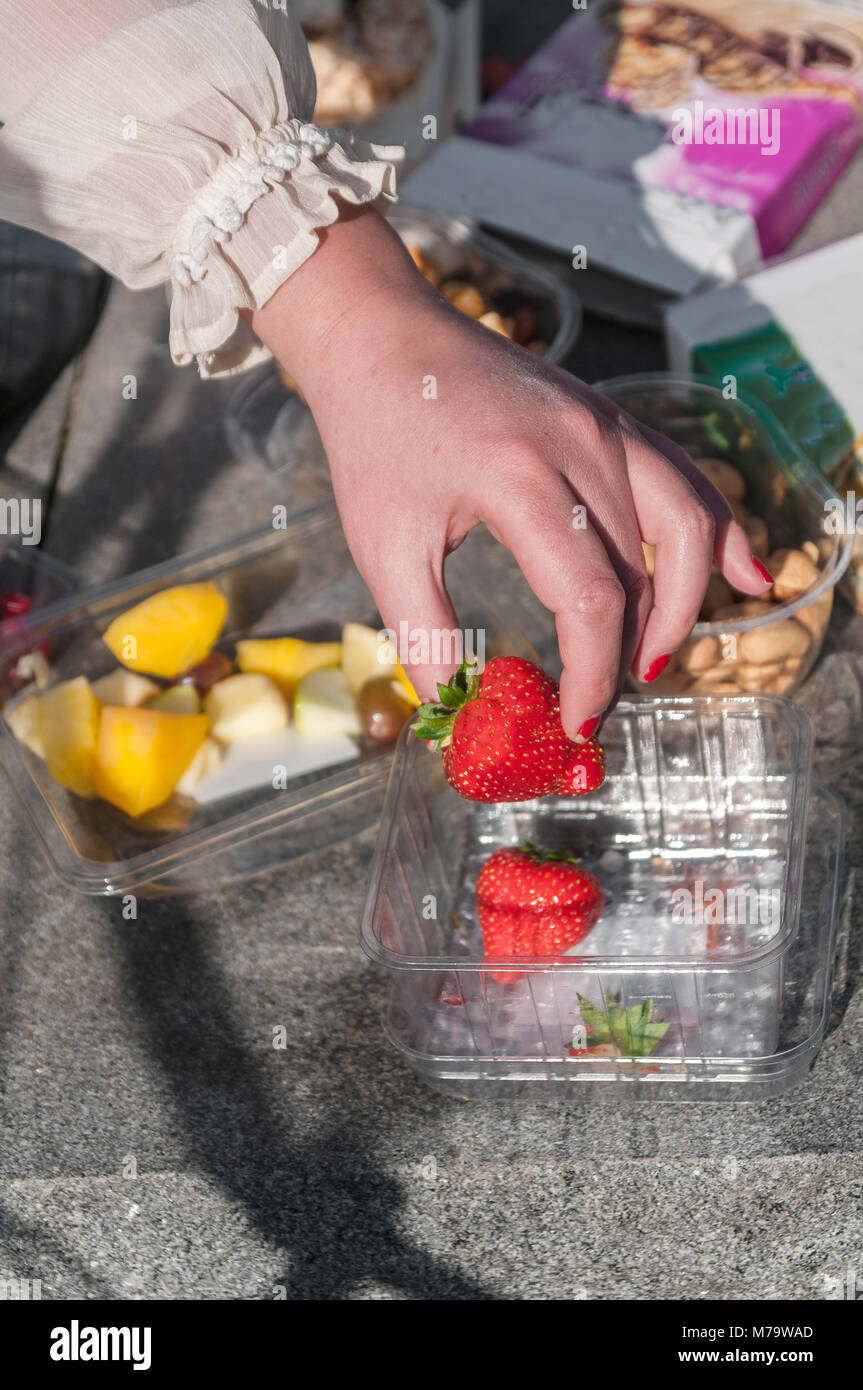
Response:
column 297, row 580
column 718, row 926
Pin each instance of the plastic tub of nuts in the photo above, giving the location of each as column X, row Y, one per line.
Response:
column 745, row 645
column 268, row 421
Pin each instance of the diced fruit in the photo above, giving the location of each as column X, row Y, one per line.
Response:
column 324, row 706
column 14, row 605
column 23, row 720
column 383, row 709
column 122, row 687
column 245, row 706
column 143, row 753
column 501, row 735
column 215, row 667
column 69, row 730
column 366, row 654
column 206, row 760
column 286, row 659
column 32, row 668
column 170, row 631
column 177, row 699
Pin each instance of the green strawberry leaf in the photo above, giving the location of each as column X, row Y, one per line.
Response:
column 436, row 720
column 634, row 1031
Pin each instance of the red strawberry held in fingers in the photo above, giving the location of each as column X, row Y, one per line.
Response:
column 535, row 902
column 501, row 736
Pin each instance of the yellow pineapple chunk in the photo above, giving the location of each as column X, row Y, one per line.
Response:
column 23, row 720
column 143, row 753
column 286, row 659
column 68, row 732
column 169, row 632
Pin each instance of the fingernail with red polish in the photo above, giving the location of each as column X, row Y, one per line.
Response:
column 763, row 571
column 656, row 668
column 588, row 728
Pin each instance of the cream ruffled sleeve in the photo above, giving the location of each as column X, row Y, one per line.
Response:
column 171, row 140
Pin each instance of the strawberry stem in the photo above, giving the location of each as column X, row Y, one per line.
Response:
column 437, row 719
column 548, row 856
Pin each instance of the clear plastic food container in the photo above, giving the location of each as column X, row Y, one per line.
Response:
column 266, row 423
column 298, row 580
column 699, row 838
column 768, row 646
column 27, row 570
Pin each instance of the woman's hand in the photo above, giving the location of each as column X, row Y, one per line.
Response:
column 432, row 423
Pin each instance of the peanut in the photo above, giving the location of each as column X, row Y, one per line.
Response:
column 735, row 612
column 718, row 595
column 699, row 654
column 811, row 549
column 493, row 320
column 780, row 685
column 724, row 477
column 465, row 297
column 725, row 688
column 773, row 642
column 816, row 617
column 756, row 530
column 754, row 678
column 793, row 573
column 649, row 558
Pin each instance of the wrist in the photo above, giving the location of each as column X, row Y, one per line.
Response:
column 333, row 309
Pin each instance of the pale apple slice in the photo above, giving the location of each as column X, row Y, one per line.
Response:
column 324, row 706
column 244, row 706
column 177, row 699
column 124, row 688
column 208, row 757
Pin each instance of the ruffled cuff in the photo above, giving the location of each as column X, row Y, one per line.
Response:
column 254, row 224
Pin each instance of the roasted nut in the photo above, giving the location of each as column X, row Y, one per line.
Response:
column 718, row 595
column 773, row 642
column 793, row 573
column 754, row 678
column 816, row 616
column 649, row 558
column 698, row 654
column 811, row 549
column 724, row 477
column 538, row 347
column 781, row 684
column 416, row 254
column 756, row 530
column 713, row 675
column 493, row 320
column 737, row 612
column 724, row 688
column 465, row 297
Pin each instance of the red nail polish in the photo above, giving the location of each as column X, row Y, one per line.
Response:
column 763, row 571
column 589, row 727
column 656, row 668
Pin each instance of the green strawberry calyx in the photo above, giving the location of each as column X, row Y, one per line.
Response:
column 436, row 720
column 548, row 856
column 633, row 1031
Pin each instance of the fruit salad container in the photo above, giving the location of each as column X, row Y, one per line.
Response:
column 264, row 422
column 707, row 976
column 743, row 645
column 30, row 580
column 297, row 580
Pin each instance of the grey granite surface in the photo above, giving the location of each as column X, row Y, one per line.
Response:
column 154, row 1144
